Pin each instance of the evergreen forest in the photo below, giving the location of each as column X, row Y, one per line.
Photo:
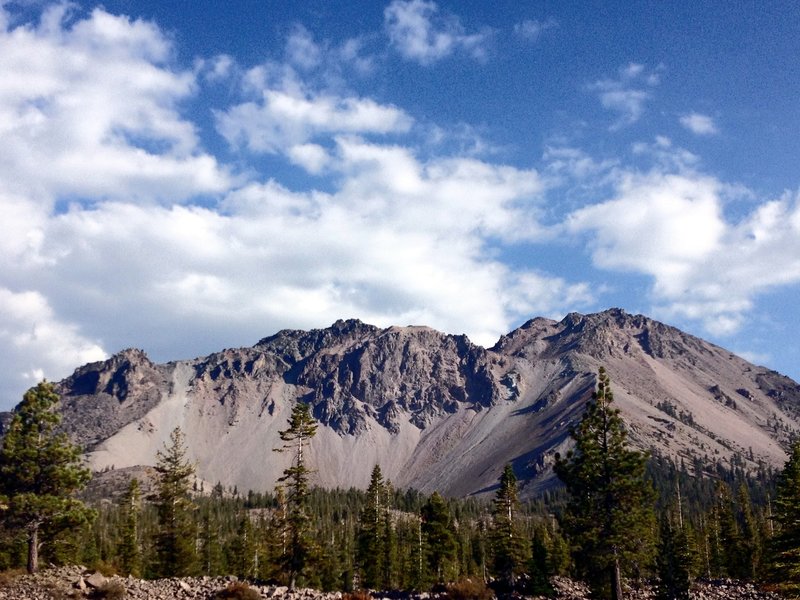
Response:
column 620, row 515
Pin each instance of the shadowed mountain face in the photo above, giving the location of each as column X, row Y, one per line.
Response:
column 433, row 410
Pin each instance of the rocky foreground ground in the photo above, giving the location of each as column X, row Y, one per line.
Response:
column 76, row 583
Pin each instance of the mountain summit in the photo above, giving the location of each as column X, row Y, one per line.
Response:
column 435, row 411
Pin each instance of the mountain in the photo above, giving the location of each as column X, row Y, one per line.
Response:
column 433, row 410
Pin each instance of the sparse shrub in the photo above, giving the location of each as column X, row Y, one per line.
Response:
column 238, row 590
column 56, row 592
column 9, row 576
column 106, row 569
column 112, row 589
column 468, row 589
column 357, row 595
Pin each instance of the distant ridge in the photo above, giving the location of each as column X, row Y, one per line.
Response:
column 433, row 410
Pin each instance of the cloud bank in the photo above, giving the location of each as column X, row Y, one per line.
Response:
column 124, row 231
column 134, row 218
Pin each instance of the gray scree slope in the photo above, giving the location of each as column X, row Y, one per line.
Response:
column 435, row 411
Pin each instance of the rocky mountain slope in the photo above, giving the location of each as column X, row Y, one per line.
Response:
column 433, row 410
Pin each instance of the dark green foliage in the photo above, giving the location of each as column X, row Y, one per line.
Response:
column 509, row 548
column 674, row 560
column 40, row 471
column 130, row 552
column 539, row 568
column 211, row 555
column 243, row 550
column 785, row 546
column 389, row 558
column 558, row 553
column 748, row 564
column 439, row 537
column 277, row 538
column 335, row 522
column 370, row 552
column 300, row 548
column 609, row 515
column 726, row 533
column 175, row 541
column 385, row 538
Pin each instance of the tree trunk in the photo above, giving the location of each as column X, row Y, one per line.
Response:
column 33, row 548
column 616, row 582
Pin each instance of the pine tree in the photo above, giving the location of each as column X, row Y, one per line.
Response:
column 785, row 543
column 130, row 552
column 559, row 558
column 674, row 560
column 371, row 534
column 609, row 514
column 727, row 554
column 539, row 566
column 278, row 535
column 175, row 541
column 302, row 428
column 211, row 559
column 440, row 540
column 389, row 541
column 40, row 470
column 510, row 551
column 242, row 550
column 751, row 538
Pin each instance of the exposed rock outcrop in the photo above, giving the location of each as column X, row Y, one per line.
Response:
column 76, row 582
column 434, row 410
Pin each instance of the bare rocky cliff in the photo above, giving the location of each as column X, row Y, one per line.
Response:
column 434, row 410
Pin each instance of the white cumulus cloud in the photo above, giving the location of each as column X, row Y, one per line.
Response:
column 699, row 124
column 37, row 343
column 628, row 94
column 704, row 267
column 420, row 32
column 286, row 118
column 90, row 108
column 532, row 29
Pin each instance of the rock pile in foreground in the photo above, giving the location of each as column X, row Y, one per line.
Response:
column 713, row 589
column 75, row 582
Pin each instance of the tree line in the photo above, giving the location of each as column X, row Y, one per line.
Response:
column 621, row 514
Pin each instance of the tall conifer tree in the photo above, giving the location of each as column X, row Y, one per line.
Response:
column 296, row 438
column 175, row 541
column 751, row 544
column 371, row 533
column 40, row 471
column 510, row 549
column 211, row 555
column 609, row 514
column 439, row 535
column 674, row 560
column 785, row 543
column 130, row 551
column 389, row 541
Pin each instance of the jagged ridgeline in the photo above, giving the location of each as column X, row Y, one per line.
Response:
column 435, row 411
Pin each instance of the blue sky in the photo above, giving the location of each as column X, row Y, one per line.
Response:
column 187, row 176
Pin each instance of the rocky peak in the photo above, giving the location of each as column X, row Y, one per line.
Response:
column 435, row 410
column 113, row 376
column 99, row 398
column 413, row 370
column 608, row 334
column 293, row 345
